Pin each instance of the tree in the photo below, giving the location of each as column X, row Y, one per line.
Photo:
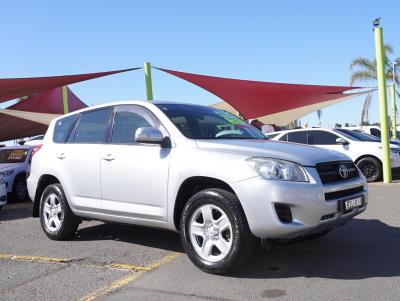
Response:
column 319, row 114
column 364, row 70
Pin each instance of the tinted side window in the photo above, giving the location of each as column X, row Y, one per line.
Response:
column 298, row 137
column 93, row 126
column 322, row 138
column 127, row 120
column 62, row 128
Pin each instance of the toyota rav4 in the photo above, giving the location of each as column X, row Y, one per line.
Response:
column 194, row 169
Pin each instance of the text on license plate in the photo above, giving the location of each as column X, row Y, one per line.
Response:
column 353, row 203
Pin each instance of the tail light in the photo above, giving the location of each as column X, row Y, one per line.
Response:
column 36, row 149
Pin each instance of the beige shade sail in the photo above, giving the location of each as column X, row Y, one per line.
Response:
column 42, row 118
column 285, row 117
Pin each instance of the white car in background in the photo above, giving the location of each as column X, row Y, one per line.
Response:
column 365, row 151
column 373, row 130
column 3, row 192
column 36, row 140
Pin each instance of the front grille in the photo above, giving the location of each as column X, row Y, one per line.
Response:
column 342, row 193
column 329, row 171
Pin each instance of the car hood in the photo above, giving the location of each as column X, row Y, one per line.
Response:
column 5, row 166
column 302, row 154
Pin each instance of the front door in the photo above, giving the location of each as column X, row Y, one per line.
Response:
column 134, row 177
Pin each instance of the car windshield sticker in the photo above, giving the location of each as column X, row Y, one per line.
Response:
column 17, row 154
column 230, row 118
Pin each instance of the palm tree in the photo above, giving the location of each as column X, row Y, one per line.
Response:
column 319, row 114
column 364, row 70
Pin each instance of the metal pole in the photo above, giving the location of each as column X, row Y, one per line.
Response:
column 387, row 172
column 65, row 98
column 149, row 85
column 394, row 121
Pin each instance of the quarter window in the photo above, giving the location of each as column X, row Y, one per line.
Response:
column 322, row 138
column 62, row 128
column 283, row 138
column 93, row 126
column 376, row 132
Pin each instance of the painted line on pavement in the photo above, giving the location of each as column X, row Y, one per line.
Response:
column 34, row 258
column 129, row 278
column 43, row 259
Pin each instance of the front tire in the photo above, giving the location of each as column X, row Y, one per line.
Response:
column 371, row 168
column 56, row 218
column 215, row 233
column 20, row 191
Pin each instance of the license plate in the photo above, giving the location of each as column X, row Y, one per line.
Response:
column 349, row 204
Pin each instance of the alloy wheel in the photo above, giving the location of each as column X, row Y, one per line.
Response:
column 52, row 213
column 210, row 233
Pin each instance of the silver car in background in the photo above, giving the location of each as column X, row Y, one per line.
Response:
column 15, row 164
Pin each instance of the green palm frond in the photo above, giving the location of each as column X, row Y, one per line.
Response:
column 362, row 76
column 388, row 49
column 363, row 63
column 319, row 114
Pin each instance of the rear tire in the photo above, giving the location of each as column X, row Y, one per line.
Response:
column 215, row 233
column 56, row 218
column 371, row 168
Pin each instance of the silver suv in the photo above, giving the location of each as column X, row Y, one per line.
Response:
column 194, row 169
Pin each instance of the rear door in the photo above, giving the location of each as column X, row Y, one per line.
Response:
column 134, row 177
column 78, row 160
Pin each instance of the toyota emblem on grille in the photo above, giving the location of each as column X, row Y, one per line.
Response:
column 343, row 171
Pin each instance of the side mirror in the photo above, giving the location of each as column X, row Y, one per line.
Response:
column 341, row 141
column 149, row 135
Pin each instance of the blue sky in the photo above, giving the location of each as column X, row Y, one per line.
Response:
column 310, row 42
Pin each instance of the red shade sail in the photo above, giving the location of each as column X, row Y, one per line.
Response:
column 12, row 88
column 254, row 99
column 49, row 102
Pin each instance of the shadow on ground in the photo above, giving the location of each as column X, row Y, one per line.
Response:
column 362, row 249
column 16, row 210
column 154, row 238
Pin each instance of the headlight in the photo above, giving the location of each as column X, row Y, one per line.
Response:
column 274, row 169
column 6, row 173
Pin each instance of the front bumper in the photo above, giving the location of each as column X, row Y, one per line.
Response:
column 3, row 195
column 395, row 159
column 311, row 212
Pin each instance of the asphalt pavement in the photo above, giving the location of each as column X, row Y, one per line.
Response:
column 358, row 261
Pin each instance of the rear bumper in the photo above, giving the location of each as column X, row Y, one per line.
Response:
column 311, row 212
column 31, row 184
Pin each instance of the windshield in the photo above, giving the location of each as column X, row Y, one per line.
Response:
column 199, row 122
column 13, row 155
column 359, row 136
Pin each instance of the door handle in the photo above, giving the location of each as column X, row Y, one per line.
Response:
column 61, row 156
column 109, row 157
